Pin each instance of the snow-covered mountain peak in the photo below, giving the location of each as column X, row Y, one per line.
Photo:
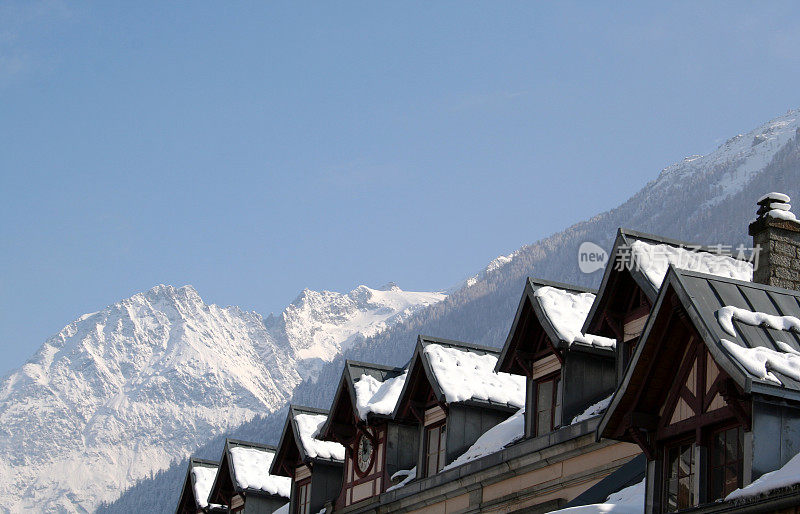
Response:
column 123, row 392
column 320, row 324
column 738, row 159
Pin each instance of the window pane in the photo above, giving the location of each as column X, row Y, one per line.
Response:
column 679, row 480
column 544, row 397
column 732, row 445
column 433, row 440
column 543, row 422
column 717, row 479
column 672, row 462
column 685, row 496
column 686, row 461
column 557, row 415
column 672, row 495
column 431, row 465
column 442, row 447
column 719, row 449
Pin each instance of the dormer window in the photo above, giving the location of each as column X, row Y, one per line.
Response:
column 681, row 468
column 435, row 437
column 304, row 497
column 548, row 404
column 726, row 462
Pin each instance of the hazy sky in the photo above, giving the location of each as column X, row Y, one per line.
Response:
column 254, row 149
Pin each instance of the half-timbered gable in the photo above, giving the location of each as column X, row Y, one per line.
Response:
column 243, row 481
column 314, row 465
column 712, row 395
column 377, row 447
column 566, row 371
column 200, row 477
column 636, row 267
column 454, row 395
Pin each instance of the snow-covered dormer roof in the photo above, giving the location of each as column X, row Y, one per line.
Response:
column 560, row 311
column 250, row 465
column 200, row 477
column 460, row 372
column 301, row 441
column 246, row 466
column 366, row 392
column 646, row 258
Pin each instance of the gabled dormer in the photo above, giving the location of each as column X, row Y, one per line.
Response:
column 376, row 446
column 454, row 395
column 243, row 481
column 712, row 394
column 314, row 465
column 636, row 267
column 566, row 371
column 200, row 477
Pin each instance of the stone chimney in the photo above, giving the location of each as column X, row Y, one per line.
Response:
column 777, row 232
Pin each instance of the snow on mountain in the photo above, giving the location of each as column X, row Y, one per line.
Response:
column 742, row 156
column 126, row 391
column 319, row 325
column 495, row 265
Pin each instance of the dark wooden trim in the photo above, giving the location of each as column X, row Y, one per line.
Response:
column 695, row 422
column 637, row 437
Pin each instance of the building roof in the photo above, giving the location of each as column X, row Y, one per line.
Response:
column 748, row 328
column 365, row 392
column 560, row 310
column 645, row 259
column 459, row 372
column 300, row 441
column 245, row 467
column 200, row 475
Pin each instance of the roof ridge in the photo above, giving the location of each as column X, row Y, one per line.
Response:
column 560, row 285
column 458, row 344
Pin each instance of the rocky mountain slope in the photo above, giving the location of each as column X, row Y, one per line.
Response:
column 708, row 199
column 122, row 393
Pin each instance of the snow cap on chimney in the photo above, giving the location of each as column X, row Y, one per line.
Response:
column 776, row 233
column 775, row 205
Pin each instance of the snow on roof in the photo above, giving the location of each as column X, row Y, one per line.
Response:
column 786, row 476
column 759, row 361
column 593, row 410
column 308, row 426
column 203, row 481
column 654, row 260
column 512, row 430
column 494, row 439
column 251, row 470
column 727, row 314
column 375, row 396
column 409, row 474
column 775, row 196
column 567, row 311
column 629, row 500
column 464, row 375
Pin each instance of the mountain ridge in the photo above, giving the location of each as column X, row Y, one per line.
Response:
column 123, row 392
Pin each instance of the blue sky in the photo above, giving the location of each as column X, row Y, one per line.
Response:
column 254, row 149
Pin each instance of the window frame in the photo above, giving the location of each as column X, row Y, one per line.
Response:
column 301, row 487
column 694, row 470
column 711, row 464
column 441, row 451
column 555, row 402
